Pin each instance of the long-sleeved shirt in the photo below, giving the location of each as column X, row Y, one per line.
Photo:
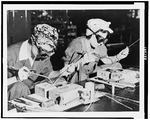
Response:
column 19, row 55
column 80, row 46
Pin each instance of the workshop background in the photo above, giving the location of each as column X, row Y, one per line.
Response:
column 72, row 23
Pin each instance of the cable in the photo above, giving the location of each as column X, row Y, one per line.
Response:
column 88, row 107
column 125, row 99
column 119, row 102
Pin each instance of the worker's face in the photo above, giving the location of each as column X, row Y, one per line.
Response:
column 46, row 46
column 98, row 38
column 103, row 34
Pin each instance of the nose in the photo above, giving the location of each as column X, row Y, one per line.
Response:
column 104, row 35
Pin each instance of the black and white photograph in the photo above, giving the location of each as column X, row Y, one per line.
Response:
column 74, row 60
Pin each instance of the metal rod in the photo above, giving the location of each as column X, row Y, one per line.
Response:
column 134, row 43
column 39, row 75
column 11, row 67
column 119, row 102
column 127, row 99
column 57, row 78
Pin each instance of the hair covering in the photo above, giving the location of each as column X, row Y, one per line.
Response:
column 96, row 25
column 47, row 31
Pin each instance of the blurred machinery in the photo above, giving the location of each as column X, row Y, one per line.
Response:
column 58, row 19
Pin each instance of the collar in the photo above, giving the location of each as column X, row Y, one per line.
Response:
column 25, row 52
column 86, row 45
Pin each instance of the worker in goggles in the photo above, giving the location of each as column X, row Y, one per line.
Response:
column 92, row 50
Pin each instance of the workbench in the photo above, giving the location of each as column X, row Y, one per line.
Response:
column 107, row 104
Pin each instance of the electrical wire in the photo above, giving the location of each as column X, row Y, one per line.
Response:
column 119, row 102
column 127, row 99
column 88, row 107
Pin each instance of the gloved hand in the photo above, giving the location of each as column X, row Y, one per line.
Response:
column 68, row 69
column 61, row 81
column 123, row 54
column 71, row 68
column 23, row 73
column 90, row 57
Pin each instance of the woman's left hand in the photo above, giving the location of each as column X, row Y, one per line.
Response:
column 123, row 54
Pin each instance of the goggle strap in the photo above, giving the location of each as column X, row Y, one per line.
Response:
column 93, row 31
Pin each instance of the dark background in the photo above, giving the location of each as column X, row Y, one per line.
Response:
column 72, row 23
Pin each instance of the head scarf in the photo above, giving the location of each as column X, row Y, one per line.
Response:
column 46, row 31
column 45, row 37
column 96, row 25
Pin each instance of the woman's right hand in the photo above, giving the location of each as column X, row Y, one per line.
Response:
column 23, row 73
column 90, row 57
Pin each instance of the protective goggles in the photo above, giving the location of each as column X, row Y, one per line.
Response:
column 98, row 37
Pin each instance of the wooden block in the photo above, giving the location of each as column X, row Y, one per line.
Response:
column 68, row 93
column 43, row 89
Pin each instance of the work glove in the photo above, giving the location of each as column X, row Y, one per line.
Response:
column 61, row 81
column 123, row 54
column 68, row 69
column 23, row 73
column 91, row 56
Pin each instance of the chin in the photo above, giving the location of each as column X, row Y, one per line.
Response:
column 94, row 45
column 50, row 54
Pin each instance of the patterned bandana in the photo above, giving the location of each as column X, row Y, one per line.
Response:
column 46, row 31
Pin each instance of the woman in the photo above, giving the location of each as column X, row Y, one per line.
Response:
column 91, row 49
column 31, row 55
